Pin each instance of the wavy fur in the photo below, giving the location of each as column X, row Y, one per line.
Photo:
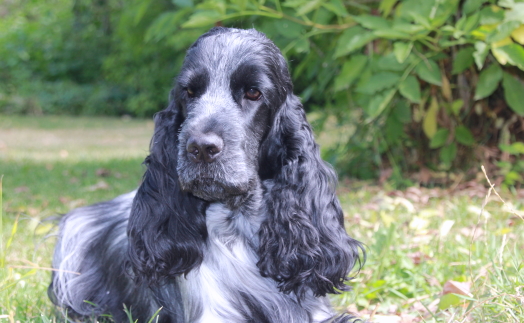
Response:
column 246, row 227
column 303, row 243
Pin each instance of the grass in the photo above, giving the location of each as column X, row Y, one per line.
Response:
column 50, row 165
column 415, row 248
column 417, row 240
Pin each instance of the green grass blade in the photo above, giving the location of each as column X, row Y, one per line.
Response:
column 2, row 253
column 155, row 316
column 13, row 232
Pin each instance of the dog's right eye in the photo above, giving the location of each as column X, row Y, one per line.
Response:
column 190, row 93
column 253, row 94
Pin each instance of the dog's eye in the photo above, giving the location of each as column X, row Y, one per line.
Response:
column 253, row 94
column 190, row 92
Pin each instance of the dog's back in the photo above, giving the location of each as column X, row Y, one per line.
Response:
column 90, row 277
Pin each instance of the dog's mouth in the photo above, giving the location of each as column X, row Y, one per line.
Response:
column 226, row 178
column 213, row 190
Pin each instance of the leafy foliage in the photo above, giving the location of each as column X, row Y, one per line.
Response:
column 423, row 84
column 448, row 62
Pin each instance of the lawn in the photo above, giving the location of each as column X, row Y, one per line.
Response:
column 421, row 243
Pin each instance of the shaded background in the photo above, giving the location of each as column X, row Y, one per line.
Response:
column 410, row 87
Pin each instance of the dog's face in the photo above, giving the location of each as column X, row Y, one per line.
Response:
column 226, row 90
column 232, row 123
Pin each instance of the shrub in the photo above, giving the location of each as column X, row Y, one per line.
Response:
column 425, row 83
column 414, row 85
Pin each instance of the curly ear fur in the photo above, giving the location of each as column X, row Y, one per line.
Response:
column 303, row 243
column 167, row 226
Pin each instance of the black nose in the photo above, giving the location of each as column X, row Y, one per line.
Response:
column 204, row 147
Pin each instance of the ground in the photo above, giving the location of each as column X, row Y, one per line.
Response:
column 433, row 254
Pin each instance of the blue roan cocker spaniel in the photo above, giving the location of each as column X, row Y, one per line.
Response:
column 236, row 219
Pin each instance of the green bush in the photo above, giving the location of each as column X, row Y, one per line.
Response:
column 50, row 61
column 424, row 82
column 415, row 84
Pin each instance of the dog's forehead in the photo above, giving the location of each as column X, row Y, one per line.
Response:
column 243, row 57
column 225, row 52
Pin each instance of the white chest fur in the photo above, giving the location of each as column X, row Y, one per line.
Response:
column 229, row 266
column 213, row 293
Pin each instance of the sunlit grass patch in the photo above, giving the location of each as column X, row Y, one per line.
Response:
column 34, row 195
column 68, row 139
column 417, row 240
column 49, row 166
column 420, row 241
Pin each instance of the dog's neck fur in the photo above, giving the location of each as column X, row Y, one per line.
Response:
column 225, row 222
column 229, row 279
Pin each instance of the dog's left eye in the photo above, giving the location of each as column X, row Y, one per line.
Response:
column 253, row 94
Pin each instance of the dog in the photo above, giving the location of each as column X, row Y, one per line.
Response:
column 236, row 218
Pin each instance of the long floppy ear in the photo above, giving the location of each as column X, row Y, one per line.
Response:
column 303, row 243
column 166, row 227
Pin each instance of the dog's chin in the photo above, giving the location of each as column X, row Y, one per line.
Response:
column 211, row 190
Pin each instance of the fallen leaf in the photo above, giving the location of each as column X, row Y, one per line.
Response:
column 101, row 185
column 64, row 199
column 429, row 213
column 32, row 211
column 419, row 224
column 445, row 227
column 77, row 203
column 417, row 257
column 477, row 210
column 474, row 233
column 405, row 203
column 352, row 309
column 457, row 288
column 422, row 309
column 432, row 281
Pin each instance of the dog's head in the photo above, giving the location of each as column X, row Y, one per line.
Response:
column 234, row 126
column 230, row 86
